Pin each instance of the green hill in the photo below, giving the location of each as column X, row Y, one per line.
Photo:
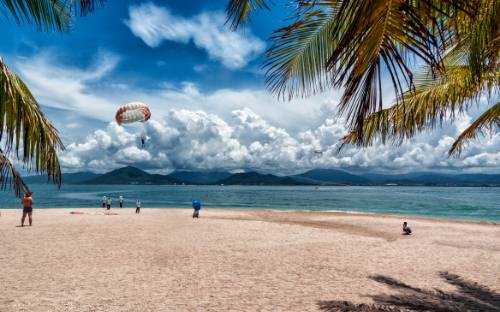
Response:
column 132, row 175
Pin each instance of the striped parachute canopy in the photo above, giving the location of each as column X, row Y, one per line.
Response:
column 133, row 112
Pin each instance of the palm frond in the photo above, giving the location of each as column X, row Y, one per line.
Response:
column 376, row 36
column 85, row 7
column 9, row 177
column 47, row 14
column 44, row 14
column 483, row 37
column 24, row 130
column 297, row 60
column 489, row 119
column 239, row 11
column 435, row 100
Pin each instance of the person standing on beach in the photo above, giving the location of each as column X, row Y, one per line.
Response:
column 27, row 203
column 138, row 206
column 121, row 201
column 104, row 201
column 108, row 203
column 196, row 207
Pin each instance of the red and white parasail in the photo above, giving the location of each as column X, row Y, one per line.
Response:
column 133, row 112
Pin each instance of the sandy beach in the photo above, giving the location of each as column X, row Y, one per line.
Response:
column 241, row 260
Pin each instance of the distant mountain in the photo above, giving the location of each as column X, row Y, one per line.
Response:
column 67, row 178
column 436, row 179
column 199, row 177
column 330, row 177
column 255, row 178
column 131, row 175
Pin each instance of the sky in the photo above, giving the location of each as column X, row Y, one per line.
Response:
column 205, row 86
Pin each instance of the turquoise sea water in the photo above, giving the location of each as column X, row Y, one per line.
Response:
column 469, row 203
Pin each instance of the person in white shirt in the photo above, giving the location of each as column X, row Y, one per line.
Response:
column 104, row 201
column 121, row 201
column 138, row 206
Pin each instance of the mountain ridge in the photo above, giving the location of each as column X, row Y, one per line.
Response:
column 133, row 175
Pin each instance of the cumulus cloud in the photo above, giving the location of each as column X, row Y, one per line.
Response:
column 64, row 87
column 196, row 140
column 154, row 24
column 224, row 128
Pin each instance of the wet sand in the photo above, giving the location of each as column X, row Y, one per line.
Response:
column 241, row 260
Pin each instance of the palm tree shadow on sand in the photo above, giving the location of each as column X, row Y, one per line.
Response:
column 469, row 296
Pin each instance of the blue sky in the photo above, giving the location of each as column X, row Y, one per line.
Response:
column 206, row 89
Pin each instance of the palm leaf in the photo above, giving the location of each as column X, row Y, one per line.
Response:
column 10, row 176
column 376, row 36
column 47, row 14
column 44, row 14
column 25, row 132
column 442, row 96
column 489, row 119
column 297, row 60
column 85, row 6
column 238, row 11
column 435, row 100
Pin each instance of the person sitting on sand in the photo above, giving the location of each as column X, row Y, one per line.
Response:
column 121, row 201
column 196, row 207
column 108, row 203
column 104, row 201
column 27, row 203
column 406, row 229
column 138, row 206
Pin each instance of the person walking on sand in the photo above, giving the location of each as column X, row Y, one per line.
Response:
column 196, row 207
column 108, row 203
column 27, row 203
column 121, row 201
column 138, row 206
column 406, row 229
column 104, row 201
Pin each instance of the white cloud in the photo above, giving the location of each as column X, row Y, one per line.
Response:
column 67, row 87
column 72, row 88
column 154, row 24
column 187, row 139
column 225, row 128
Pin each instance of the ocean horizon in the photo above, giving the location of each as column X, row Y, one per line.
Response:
column 458, row 203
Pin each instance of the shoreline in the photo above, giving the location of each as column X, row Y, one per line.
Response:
column 318, row 212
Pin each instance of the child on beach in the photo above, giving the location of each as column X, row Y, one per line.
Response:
column 138, row 206
column 196, row 207
column 104, row 201
column 406, row 229
column 121, row 201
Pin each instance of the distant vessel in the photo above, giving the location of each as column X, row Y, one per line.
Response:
column 391, row 184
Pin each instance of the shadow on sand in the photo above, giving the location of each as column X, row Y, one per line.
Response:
column 469, row 296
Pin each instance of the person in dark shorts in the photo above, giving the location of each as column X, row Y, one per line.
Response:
column 406, row 229
column 27, row 203
column 196, row 207
column 138, row 206
column 121, row 201
column 104, row 201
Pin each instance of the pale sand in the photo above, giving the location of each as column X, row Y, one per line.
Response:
column 239, row 260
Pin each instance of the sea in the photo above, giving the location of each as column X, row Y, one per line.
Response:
column 462, row 203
